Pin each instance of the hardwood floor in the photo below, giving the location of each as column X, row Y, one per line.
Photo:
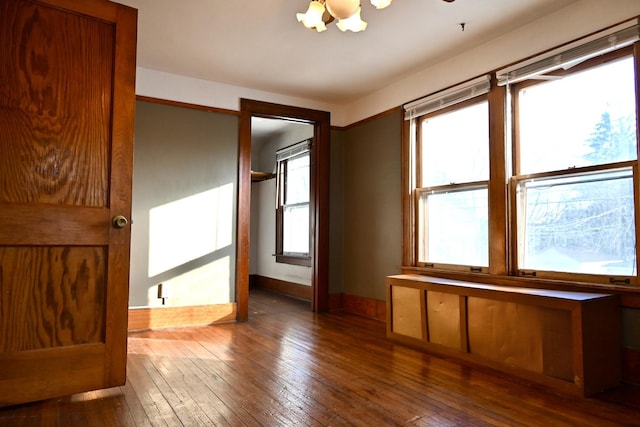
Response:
column 290, row 367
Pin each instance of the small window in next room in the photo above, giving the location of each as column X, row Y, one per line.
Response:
column 292, row 204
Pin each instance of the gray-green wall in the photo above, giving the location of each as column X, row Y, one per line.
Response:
column 372, row 217
column 184, row 206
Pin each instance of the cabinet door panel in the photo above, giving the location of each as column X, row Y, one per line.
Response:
column 408, row 312
column 443, row 314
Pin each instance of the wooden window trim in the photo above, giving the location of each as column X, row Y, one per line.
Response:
column 294, row 260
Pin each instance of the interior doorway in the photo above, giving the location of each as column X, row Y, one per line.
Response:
column 318, row 200
column 280, row 251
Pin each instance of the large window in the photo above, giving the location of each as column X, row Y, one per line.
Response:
column 452, row 196
column 575, row 168
column 534, row 175
column 292, row 205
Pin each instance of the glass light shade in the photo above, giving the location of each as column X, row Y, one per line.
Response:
column 342, row 9
column 353, row 23
column 380, row 4
column 320, row 27
column 313, row 17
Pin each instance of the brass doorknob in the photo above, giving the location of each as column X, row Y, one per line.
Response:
column 119, row 221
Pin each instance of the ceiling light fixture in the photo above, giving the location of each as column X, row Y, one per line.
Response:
column 347, row 12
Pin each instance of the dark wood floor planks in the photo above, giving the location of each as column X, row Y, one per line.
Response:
column 290, row 367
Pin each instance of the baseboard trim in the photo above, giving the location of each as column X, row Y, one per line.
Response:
column 164, row 317
column 363, row 306
column 335, row 301
column 281, row 286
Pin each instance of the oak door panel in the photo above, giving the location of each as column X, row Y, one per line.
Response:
column 54, row 298
column 59, row 151
column 67, row 73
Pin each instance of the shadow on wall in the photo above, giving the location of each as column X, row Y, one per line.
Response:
column 191, row 248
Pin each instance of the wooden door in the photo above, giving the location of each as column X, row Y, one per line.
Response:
column 67, row 99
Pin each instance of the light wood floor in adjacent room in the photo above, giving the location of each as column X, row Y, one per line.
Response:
column 290, row 367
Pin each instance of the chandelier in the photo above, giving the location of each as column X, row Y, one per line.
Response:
column 347, row 12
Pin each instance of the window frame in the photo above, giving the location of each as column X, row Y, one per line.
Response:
column 516, row 177
column 416, row 190
column 293, row 258
column 451, row 188
column 572, row 173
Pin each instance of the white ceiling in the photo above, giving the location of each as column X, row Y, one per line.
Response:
column 262, row 128
column 260, row 45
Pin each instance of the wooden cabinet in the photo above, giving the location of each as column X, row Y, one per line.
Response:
column 569, row 341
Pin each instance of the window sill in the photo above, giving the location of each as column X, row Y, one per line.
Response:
column 530, row 282
column 304, row 261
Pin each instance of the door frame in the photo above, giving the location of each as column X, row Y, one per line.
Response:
column 319, row 198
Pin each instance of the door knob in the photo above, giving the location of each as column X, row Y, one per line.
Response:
column 119, row 221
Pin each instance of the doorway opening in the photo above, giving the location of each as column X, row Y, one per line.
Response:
column 318, row 204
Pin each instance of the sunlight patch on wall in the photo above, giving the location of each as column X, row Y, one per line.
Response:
column 190, row 228
column 204, row 285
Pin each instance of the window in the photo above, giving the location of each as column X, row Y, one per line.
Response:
column 292, row 206
column 533, row 175
column 453, row 177
column 575, row 168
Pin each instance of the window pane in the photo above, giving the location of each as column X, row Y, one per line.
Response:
column 453, row 228
column 297, row 180
column 455, row 146
column 578, row 224
column 586, row 118
column 295, row 235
